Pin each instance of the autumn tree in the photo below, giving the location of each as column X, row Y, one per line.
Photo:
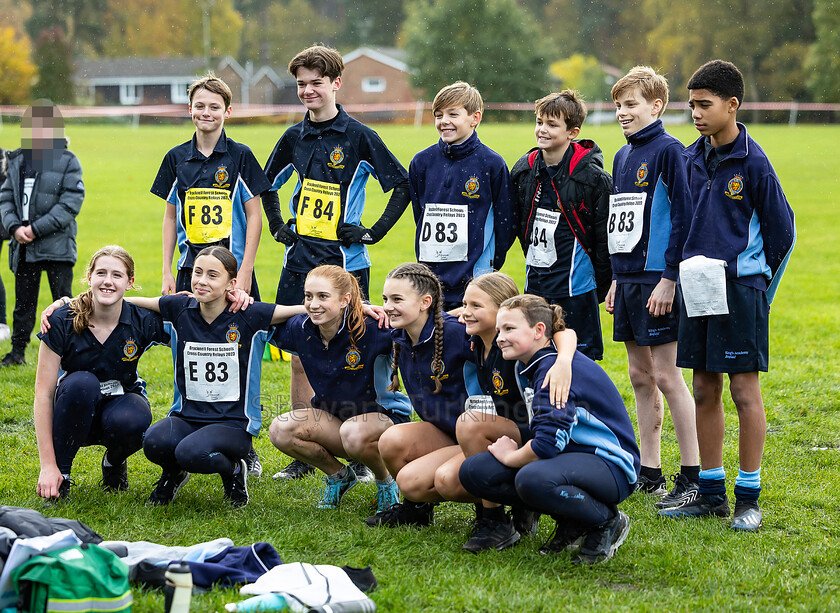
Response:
column 493, row 44
column 16, row 66
column 164, row 28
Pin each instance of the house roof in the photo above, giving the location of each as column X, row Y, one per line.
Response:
column 140, row 68
column 390, row 56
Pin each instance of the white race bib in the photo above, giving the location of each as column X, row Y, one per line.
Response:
column 528, row 397
column 480, row 404
column 211, row 371
column 624, row 226
column 443, row 233
column 111, row 388
column 28, row 185
column 703, row 282
column 542, row 251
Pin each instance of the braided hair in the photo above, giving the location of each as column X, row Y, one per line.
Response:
column 82, row 305
column 423, row 281
column 343, row 283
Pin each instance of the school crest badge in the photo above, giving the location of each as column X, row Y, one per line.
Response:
column 129, row 350
column 232, row 335
column 735, row 187
column 222, row 177
column 336, row 157
column 438, row 369
column 353, row 359
column 641, row 175
column 498, row 383
column 471, row 186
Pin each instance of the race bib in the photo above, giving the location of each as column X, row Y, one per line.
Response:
column 208, row 215
column 111, row 388
column 480, row 404
column 703, row 282
column 542, row 251
column 28, row 185
column 211, row 372
column 443, row 233
column 528, row 397
column 319, row 210
column 624, row 226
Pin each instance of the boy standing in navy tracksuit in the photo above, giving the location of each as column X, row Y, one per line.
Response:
column 211, row 185
column 741, row 216
column 462, row 198
column 562, row 197
column 332, row 155
column 649, row 216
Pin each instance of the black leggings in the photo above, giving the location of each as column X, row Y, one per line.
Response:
column 579, row 487
column 82, row 416
column 177, row 444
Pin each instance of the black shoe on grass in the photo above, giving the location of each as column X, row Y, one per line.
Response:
column 114, row 478
column 166, row 488
column 600, row 544
column 492, row 534
column 295, row 470
column 703, row 505
column 566, row 537
column 236, row 486
column 404, row 514
column 684, row 492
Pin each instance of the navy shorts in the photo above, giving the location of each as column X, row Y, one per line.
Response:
column 733, row 343
column 633, row 322
column 290, row 287
column 582, row 316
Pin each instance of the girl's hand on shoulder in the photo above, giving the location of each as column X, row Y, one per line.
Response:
column 48, row 481
column 559, row 381
column 378, row 313
column 239, row 299
column 45, row 314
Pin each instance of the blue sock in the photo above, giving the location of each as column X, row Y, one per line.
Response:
column 713, row 482
column 748, row 485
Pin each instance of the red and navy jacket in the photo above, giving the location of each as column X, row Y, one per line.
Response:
column 583, row 198
column 741, row 214
column 593, row 420
column 652, row 162
column 458, row 377
column 472, row 174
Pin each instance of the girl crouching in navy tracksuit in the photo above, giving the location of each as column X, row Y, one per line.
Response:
column 582, row 460
column 217, row 355
column 93, row 343
column 347, row 358
column 501, row 410
column 432, row 352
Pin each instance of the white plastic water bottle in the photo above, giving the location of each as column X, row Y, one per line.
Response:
column 178, row 588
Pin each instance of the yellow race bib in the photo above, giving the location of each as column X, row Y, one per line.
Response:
column 208, row 215
column 319, row 209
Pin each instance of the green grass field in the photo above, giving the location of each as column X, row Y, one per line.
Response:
column 792, row 564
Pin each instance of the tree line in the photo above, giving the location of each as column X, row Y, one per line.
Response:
column 512, row 50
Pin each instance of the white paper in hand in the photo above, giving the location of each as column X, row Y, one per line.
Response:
column 703, row 283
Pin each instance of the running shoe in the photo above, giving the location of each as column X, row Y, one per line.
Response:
column 600, row 544
column 335, row 489
column 296, row 469
column 166, row 487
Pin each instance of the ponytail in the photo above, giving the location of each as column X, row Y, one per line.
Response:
column 535, row 310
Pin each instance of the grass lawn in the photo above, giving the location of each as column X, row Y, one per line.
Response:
column 792, row 564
